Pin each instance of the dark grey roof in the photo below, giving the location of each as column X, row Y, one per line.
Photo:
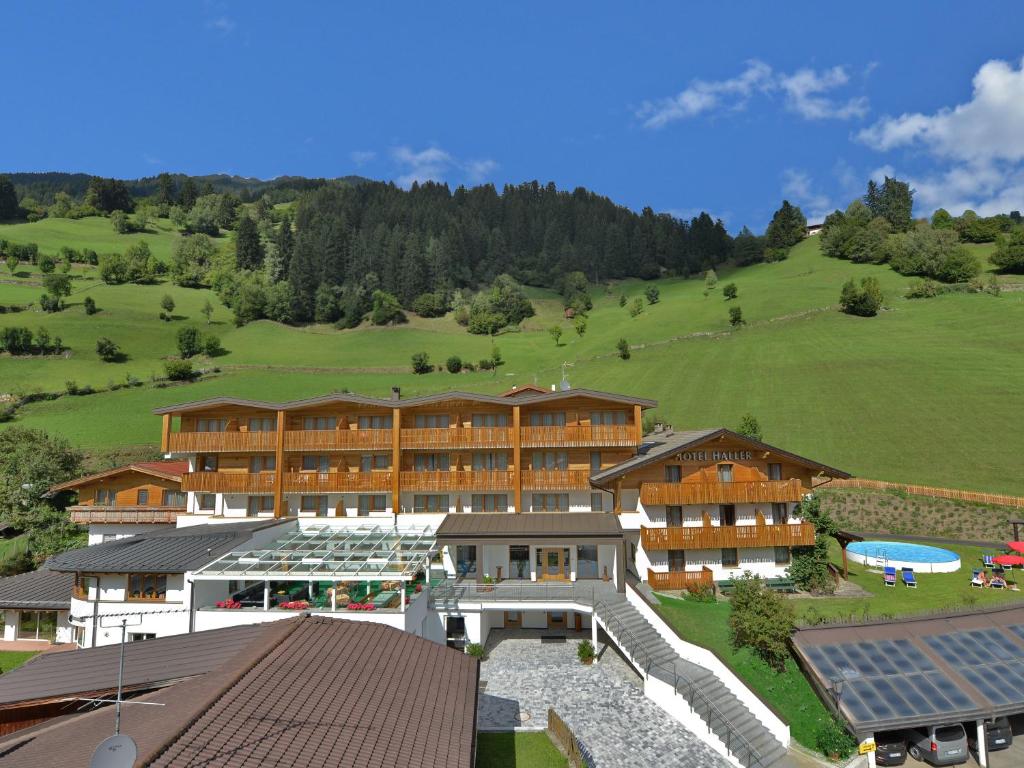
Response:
column 43, row 590
column 659, row 446
column 147, row 664
column 165, row 550
column 531, row 524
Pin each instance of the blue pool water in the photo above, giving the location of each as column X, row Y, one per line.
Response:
column 901, row 551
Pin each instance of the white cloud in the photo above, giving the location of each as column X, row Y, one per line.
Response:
column 478, row 170
column 798, row 186
column 805, row 94
column 222, row 24
column 436, row 164
column 362, row 157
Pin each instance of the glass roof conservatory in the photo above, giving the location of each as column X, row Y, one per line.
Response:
column 363, row 553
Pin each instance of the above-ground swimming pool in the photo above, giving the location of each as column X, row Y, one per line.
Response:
column 899, row 554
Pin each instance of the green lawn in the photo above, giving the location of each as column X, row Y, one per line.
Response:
column 517, row 750
column 11, row 659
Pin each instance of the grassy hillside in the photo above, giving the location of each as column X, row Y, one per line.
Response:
column 94, row 232
column 916, row 394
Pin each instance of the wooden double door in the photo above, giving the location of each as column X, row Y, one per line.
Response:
column 553, row 564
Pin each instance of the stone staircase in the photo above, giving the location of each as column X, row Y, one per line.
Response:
column 746, row 738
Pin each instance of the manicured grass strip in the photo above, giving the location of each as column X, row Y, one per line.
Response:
column 517, row 750
column 11, row 659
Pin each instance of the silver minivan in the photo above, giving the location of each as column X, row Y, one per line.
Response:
column 938, row 744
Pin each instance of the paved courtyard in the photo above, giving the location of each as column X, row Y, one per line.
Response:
column 604, row 704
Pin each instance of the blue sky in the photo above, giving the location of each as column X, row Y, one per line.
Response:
column 721, row 106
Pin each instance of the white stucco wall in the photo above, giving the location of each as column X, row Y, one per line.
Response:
column 12, row 617
column 119, row 530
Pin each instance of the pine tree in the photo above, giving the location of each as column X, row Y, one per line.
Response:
column 188, row 195
column 248, row 247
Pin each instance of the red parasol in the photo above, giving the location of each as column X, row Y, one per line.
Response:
column 1008, row 560
column 1016, row 546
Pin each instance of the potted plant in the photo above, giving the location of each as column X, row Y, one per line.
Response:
column 585, row 652
column 488, row 585
column 476, row 650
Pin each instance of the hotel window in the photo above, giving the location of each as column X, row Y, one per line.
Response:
column 208, row 463
column 550, row 502
column 80, row 589
column 142, row 497
column 774, row 471
column 372, row 504
column 673, row 473
column 430, row 502
column 211, row 425
column 730, row 558
column 258, row 504
column 321, row 464
column 319, row 422
column 432, row 421
column 147, row 586
column 779, row 514
column 674, row 517
column 316, row 504
column 550, row 460
column 726, row 514
column 586, row 561
column 548, row 419
column 266, row 463
column 490, row 460
column 597, row 502
column 490, row 502
column 134, row 637
column 725, row 473
column 595, row 461
column 490, row 420
column 432, row 462
column 375, row 422
column 465, row 559
column 262, row 424
column 207, row 501
column 173, row 499
column 519, row 561
column 371, row 461
column 782, row 555
column 676, row 560
column 106, row 497
column 607, row 418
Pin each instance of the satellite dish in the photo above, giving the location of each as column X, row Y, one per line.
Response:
column 115, row 752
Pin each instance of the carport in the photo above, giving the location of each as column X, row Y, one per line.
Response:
column 914, row 672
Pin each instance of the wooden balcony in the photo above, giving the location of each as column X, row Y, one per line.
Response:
column 679, row 579
column 556, row 479
column 575, row 436
column 222, row 442
column 228, row 482
column 337, row 440
column 84, row 514
column 336, row 482
column 480, row 481
column 755, row 492
column 457, row 437
column 728, row 536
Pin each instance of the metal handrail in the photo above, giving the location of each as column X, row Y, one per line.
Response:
column 512, row 591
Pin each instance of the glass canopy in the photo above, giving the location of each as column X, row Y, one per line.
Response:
column 363, row 553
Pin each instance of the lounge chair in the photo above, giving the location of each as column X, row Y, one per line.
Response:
column 889, row 574
column 998, row 582
column 908, row 578
column 977, row 580
column 988, row 562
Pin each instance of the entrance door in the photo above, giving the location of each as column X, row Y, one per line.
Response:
column 727, row 514
column 556, row 619
column 513, row 619
column 554, row 564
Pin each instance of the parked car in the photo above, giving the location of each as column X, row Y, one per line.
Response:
column 890, row 748
column 938, row 744
column 997, row 735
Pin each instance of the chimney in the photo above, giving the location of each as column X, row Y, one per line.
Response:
column 396, row 393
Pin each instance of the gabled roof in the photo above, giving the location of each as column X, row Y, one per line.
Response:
column 524, row 390
column 164, row 550
column 165, row 470
column 538, row 525
column 42, row 590
column 660, row 446
column 311, row 691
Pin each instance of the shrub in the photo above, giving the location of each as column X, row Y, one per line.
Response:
column 864, row 301
column 750, row 427
column 486, row 364
column 431, row 305
column 1008, row 255
column 736, row 317
column 653, row 294
column 50, row 303
column 475, row 650
column 167, row 304
column 700, row 593
column 108, row 351
column 730, row 291
column 190, row 342
column 622, row 300
column 90, row 305
column 211, row 345
column 16, row 340
column 178, row 370
column 454, row 364
column 585, row 651
column 923, row 289
column 386, row 309
column 636, row 307
column 761, row 620
column 833, row 740
column 421, row 363
column 623, row 347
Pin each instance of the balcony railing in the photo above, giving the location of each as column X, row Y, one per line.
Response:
column 228, row 482
column 729, row 536
column 556, row 479
column 457, row 437
column 336, row 482
column 457, row 480
column 575, row 436
column 214, row 442
column 337, row 439
column 84, row 514
column 679, row 579
column 754, row 492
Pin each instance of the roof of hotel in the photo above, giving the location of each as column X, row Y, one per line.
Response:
column 310, row 691
column 409, row 402
column 661, row 445
column 164, row 550
column 43, row 590
column 532, row 524
column 167, row 470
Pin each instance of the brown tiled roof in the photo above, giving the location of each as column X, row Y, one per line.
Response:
column 168, row 470
column 531, row 524
column 314, row 691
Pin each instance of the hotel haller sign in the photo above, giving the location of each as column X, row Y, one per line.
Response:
column 715, row 455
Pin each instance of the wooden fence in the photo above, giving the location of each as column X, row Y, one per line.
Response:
column 924, row 490
column 563, row 736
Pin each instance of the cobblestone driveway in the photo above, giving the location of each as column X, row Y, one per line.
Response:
column 604, row 704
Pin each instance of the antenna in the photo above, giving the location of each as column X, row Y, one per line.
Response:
column 565, row 386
